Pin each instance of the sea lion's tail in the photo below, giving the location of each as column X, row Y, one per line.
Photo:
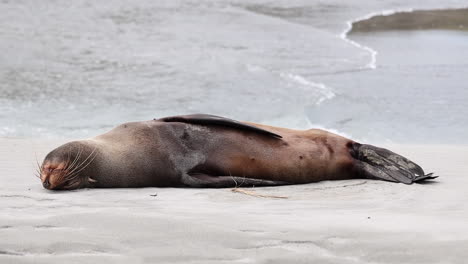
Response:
column 383, row 164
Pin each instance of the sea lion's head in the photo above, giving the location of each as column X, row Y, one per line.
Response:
column 65, row 168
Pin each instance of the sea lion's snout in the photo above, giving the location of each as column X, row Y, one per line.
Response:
column 46, row 184
column 52, row 175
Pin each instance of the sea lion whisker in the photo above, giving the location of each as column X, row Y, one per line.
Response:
column 68, row 161
column 77, row 158
column 73, row 174
column 71, row 167
column 84, row 166
column 75, row 161
column 66, row 179
column 84, row 161
column 78, row 167
column 72, row 177
column 38, row 168
column 37, row 174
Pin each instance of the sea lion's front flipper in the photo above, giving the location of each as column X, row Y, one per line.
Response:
column 202, row 119
column 200, row 180
column 383, row 164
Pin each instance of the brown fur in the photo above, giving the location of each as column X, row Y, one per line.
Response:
column 299, row 157
column 157, row 153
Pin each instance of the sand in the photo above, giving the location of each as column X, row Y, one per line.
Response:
column 355, row 221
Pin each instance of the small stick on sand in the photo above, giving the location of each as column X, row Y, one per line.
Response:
column 251, row 193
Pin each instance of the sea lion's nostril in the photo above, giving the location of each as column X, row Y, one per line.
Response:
column 46, row 184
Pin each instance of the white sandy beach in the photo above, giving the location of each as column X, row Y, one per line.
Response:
column 357, row 221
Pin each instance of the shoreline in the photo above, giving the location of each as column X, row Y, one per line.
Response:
column 386, row 19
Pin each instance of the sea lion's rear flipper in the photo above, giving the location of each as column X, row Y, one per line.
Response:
column 202, row 119
column 383, row 164
column 200, row 180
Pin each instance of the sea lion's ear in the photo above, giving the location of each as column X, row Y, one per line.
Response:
column 91, row 180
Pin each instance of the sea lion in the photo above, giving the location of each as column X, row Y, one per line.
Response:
column 210, row 151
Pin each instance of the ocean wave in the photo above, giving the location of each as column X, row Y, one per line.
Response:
column 325, row 91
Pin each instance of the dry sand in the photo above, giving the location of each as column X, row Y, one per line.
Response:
column 357, row 221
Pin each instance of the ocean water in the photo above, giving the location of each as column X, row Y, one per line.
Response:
column 73, row 70
column 416, row 94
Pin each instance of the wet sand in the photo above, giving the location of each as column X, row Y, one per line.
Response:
column 356, row 221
